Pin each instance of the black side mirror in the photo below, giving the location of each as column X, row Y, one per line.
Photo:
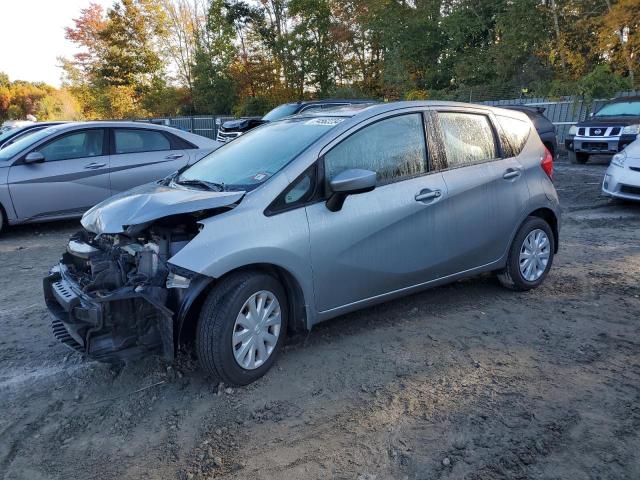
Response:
column 34, row 157
column 349, row 182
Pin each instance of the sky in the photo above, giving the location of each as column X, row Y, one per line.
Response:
column 32, row 37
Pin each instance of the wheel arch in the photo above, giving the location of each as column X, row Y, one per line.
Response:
column 296, row 303
column 551, row 218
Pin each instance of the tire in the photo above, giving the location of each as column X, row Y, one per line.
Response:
column 579, row 158
column 217, row 324
column 3, row 220
column 512, row 276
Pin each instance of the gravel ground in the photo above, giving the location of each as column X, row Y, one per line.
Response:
column 463, row 381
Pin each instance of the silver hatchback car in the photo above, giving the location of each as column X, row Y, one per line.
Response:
column 302, row 220
column 62, row 171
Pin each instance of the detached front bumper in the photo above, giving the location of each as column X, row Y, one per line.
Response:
column 125, row 324
column 598, row 145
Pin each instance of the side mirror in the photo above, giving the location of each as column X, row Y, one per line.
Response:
column 349, row 182
column 34, row 157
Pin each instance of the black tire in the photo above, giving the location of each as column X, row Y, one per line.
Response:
column 511, row 277
column 216, row 325
column 3, row 219
column 579, row 158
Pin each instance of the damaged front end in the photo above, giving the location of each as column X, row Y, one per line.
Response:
column 109, row 296
column 114, row 295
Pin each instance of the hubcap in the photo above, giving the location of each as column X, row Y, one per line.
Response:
column 256, row 331
column 534, row 255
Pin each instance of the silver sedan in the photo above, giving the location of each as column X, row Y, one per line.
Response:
column 622, row 179
column 62, row 171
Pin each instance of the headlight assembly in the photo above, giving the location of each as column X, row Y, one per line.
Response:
column 631, row 130
column 573, row 130
column 618, row 159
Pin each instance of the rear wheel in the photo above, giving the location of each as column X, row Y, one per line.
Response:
column 580, row 158
column 530, row 256
column 242, row 327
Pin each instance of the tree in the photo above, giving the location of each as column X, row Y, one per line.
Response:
column 619, row 37
column 213, row 86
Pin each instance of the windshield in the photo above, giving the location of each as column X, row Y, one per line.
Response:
column 281, row 112
column 620, row 109
column 24, row 143
column 253, row 158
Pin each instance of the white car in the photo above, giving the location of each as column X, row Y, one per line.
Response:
column 622, row 179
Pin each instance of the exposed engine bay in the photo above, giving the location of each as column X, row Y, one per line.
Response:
column 114, row 296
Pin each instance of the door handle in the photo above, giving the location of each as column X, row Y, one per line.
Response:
column 94, row 165
column 426, row 195
column 174, row 156
column 511, row 173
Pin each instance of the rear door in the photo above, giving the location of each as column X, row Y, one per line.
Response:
column 486, row 192
column 73, row 177
column 142, row 155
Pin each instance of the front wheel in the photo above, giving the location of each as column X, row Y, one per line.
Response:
column 242, row 327
column 530, row 256
column 579, row 158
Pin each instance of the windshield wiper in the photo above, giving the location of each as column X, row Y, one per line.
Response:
column 216, row 187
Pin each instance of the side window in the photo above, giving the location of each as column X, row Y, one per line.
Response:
column 297, row 194
column 87, row 143
column 515, row 134
column 468, row 138
column 135, row 141
column 393, row 148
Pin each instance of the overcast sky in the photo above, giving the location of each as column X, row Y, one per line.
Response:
column 32, row 37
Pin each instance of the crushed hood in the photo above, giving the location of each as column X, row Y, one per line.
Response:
column 149, row 202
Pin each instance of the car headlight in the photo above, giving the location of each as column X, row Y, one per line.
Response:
column 618, row 159
column 631, row 130
column 573, row 130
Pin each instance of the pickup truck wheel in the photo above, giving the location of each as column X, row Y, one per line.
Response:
column 580, row 158
column 242, row 327
column 530, row 256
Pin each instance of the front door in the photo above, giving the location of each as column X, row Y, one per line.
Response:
column 387, row 239
column 141, row 156
column 72, row 179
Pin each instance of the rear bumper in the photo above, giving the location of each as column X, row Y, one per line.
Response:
column 598, row 145
column 122, row 325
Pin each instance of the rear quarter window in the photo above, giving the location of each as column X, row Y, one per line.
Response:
column 514, row 134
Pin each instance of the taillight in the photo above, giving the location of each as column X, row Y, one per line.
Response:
column 547, row 163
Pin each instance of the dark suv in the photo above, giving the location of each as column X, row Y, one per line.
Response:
column 614, row 126
column 234, row 128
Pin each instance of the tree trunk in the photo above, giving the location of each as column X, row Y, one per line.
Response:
column 556, row 26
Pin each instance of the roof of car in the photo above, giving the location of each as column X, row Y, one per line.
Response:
column 200, row 140
column 375, row 108
column 634, row 98
column 333, row 100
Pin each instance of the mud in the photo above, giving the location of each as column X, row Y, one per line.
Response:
column 464, row 381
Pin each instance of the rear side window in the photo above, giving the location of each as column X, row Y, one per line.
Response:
column 135, row 141
column 393, row 148
column 515, row 134
column 467, row 137
column 85, row 144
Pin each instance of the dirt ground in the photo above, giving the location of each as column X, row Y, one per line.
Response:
column 464, row 381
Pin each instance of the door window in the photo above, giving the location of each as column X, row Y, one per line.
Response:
column 85, row 144
column 136, row 141
column 394, row 148
column 516, row 133
column 468, row 138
